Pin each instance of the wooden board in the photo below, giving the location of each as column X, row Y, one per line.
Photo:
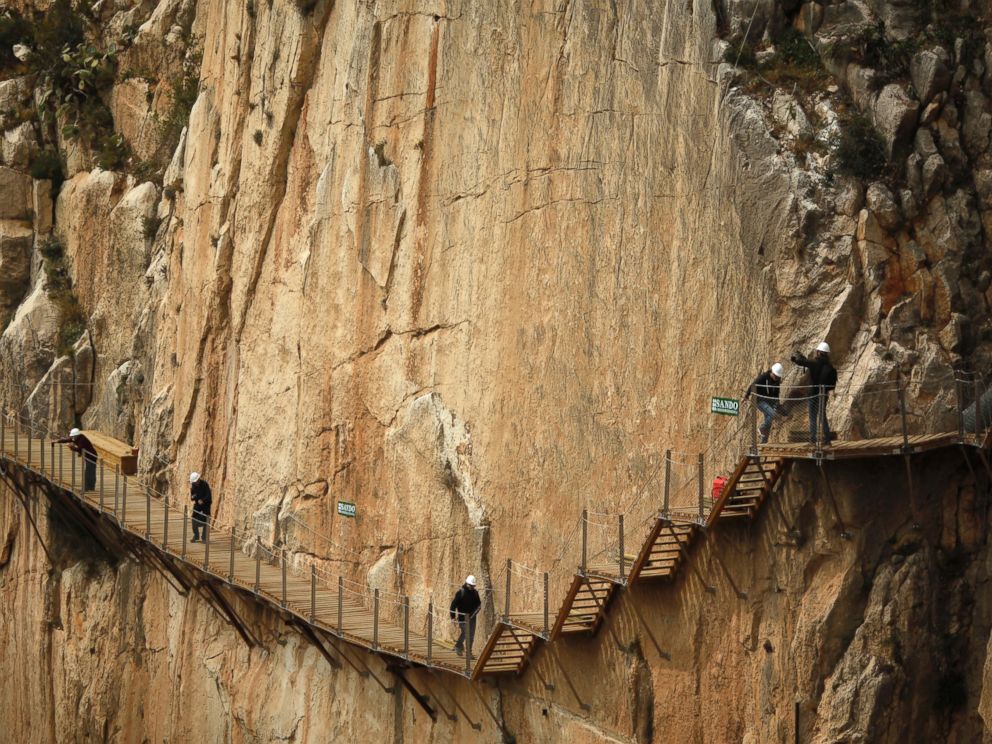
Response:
column 114, row 451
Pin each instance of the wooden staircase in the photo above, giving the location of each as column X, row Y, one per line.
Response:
column 507, row 651
column 747, row 488
column 664, row 550
column 584, row 606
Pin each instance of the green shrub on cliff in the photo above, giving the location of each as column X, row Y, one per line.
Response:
column 859, row 150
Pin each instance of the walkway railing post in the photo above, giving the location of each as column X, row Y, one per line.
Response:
column 206, row 541
column 230, row 566
column 29, row 447
column 960, row 399
column 978, row 406
column 621, row 548
column 406, row 627
column 41, row 447
column 821, row 411
column 101, row 482
column 148, row 514
column 430, row 631
column 702, row 490
column 117, row 484
column 283, row 554
column 165, row 524
column 509, row 569
column 668, row 482
column 545, row 605
column 3, row 432
column 185, row 530
column 258, row 568
column 61, row 464
column 375, row 620
column 17, row 433
column 124, row 500
column 340, row 606
column 752, row 413
column 313, row 593
column 902, row 416
column 469, row 640
column 72, row 483
column 585, row 540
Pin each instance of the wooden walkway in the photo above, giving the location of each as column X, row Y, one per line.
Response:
column 129, row 506
column 315, row 602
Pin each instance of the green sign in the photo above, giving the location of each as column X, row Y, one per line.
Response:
column 726, row 406
column 346, row 509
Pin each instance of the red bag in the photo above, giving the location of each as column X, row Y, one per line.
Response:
column 718, row 485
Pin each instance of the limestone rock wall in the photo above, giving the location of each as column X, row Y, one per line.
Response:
column 472, row 266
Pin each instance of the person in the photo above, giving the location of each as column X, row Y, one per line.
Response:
column 464, row 609
column 199, row 493
column 823, row 379
column 766, row 388
column 82, row 446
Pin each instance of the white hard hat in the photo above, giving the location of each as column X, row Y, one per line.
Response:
column 470, row 580
column 777, row 369
column 74, row 432
column 194, row 477
column 824, row 347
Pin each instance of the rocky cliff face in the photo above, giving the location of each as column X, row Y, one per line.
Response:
column 472, row 266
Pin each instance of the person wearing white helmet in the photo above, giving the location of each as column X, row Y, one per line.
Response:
column 767, row 388
column 199, row 494
column 822, row 379
column 82, row 446
column 464, row 610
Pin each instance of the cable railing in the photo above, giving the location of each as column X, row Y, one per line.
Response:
column 896, row 413
column 681, row 487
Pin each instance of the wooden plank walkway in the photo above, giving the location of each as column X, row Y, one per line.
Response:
column 127, row 504
column 863, row 448
column 330, row 605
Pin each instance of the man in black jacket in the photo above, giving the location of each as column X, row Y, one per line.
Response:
column 82, row 446
column 766, row 388
column 199, row 493
column 464, row 609
column 823, row 379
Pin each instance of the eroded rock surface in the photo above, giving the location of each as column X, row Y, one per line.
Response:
column 473, row 266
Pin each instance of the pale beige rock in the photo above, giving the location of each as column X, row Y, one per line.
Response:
column 16, row 190
column 15, row 266
column 17, row 146
column 896, row 115
column 460, row 281
column 42, row 206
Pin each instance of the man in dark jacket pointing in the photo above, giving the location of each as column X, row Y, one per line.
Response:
column 823, row 379
column 464, row 609
column 82, row 446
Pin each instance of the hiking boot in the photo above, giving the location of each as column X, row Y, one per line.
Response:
column 458, row 650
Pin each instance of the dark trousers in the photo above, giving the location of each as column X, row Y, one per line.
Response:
column 89, row 472
column 815, row 418
column 200, row 520
column 463, row 625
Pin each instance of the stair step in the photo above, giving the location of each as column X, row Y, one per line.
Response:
column 755, row 478
column 758, row 498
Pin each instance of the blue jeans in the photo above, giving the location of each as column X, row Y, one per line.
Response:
column 768, row 409
column 815, row 418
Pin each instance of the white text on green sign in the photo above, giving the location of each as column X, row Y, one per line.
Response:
column 725, row 406
column 346, row 509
